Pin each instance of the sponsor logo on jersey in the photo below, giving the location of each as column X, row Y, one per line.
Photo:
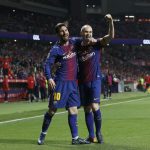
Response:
column 87, row 56
column 69, row 55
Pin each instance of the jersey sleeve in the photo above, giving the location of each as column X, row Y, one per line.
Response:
column 49, row 62
column 76, row 40
column 98, row 44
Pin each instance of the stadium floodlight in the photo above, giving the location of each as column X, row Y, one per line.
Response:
column 131, row 16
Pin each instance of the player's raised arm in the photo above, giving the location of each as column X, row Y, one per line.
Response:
column 107, row 38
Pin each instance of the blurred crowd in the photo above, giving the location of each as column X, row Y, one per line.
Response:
column 22, row 57
column 35, row 23
column 128, row 63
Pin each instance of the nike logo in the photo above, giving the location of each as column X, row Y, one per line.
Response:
column 96, row 99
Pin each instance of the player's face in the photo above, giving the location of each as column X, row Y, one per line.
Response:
column 87, row 32
column 63, row 34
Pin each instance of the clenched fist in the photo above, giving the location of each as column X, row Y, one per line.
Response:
column 108, row 17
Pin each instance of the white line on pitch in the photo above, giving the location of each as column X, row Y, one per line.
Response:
column 123, row 102
column 15, row 120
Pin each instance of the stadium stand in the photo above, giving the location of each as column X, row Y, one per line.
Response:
column 30, row 22
column 126, row 62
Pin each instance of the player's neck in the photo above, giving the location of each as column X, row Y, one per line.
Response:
column 85, row 42
column 64, row 43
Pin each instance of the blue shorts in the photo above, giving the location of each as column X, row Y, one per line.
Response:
column 66, row 94
column 90, row 92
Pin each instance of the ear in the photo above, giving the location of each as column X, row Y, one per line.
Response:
column 81, row 33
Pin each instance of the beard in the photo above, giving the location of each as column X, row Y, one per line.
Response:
column 64, row 39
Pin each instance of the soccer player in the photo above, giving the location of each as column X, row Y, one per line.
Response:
column 64, row 86
column 147, row 82
column 6, row 65
column 31, row 86
column 6, row 88
column 108, row 85
column 42, row 84
column 90, row 77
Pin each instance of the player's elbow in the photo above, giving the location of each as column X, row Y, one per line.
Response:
column 113, row 35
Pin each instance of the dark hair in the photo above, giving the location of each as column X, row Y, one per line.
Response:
column 59, row 25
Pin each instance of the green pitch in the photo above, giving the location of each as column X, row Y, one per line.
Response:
column 126, row 125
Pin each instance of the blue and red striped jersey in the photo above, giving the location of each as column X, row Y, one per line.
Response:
column 67, row 58
column 89, row 62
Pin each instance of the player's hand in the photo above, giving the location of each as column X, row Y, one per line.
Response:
column 89, row 41
column 108, row 17
column 51, row 84
column 92, row 41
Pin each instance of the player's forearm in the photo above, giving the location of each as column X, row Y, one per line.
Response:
column 111, row 29
column 48, row 64
column 47, row 74
column 107, row 38
column 47, row 70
